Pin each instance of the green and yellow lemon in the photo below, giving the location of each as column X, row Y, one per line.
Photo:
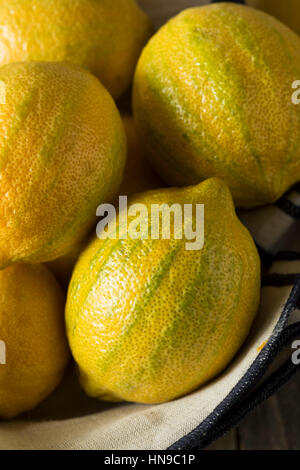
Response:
column 62, row 153
column 148, row 320
column 213, row 97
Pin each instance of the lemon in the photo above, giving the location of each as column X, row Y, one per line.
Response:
column 149, row 320
column 103, row 36
column 62, row 153
column 32, row 334
column 213, row 98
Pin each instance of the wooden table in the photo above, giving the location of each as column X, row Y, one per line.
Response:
column 276, row 423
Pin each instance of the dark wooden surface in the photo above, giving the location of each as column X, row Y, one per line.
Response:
column 276, row 423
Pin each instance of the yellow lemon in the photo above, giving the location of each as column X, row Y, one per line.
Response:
column 62, row 153
column 33, row 343
column 103, row 36
column 149, row 320
column 213, row 97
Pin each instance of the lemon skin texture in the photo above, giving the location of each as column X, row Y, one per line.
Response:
column 213, row 97
column 149, row 321
column 62, row 153
column 103, row 36
column 32, row 328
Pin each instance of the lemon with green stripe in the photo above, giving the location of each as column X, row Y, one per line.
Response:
column 62, row 153
column 213, row 97
column 148, row 320
column 103, row 36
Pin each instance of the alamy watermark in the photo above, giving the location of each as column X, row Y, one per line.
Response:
column 154, row 221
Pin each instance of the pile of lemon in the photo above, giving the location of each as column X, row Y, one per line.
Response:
column 146, row 319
